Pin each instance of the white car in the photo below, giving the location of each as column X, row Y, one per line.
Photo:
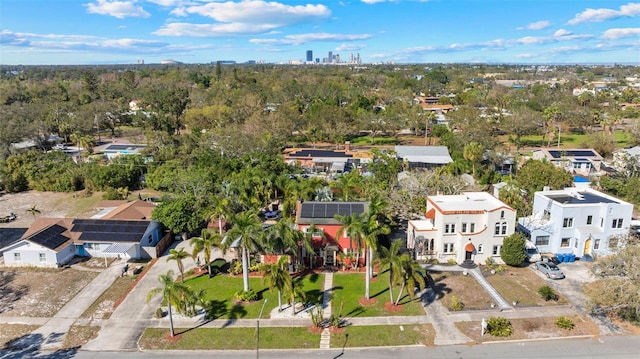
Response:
column 550, row 270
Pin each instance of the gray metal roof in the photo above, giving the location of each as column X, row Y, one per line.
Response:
column 424, row 154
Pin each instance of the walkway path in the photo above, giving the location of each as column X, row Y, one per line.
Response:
column 325, row 337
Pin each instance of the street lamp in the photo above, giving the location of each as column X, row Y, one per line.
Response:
column 258, row 329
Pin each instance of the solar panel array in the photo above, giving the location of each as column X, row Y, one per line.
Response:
column 329, row 209
column 109, row 230
column 50, row 237
column 571, row 153
column 123, row 147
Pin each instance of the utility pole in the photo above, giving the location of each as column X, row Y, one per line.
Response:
column 258, row 329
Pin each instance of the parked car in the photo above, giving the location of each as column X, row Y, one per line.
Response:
column 550, row 258
column 532, row 252
column 550, row 270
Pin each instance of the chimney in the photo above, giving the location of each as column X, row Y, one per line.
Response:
column 347, row 146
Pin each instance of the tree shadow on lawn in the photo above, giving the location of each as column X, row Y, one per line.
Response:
column 216, row 309
column 438, row 288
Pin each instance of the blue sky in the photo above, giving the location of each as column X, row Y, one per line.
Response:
column 404, row 31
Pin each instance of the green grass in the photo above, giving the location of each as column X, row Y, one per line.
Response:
column 378, row 140
column 220, row 290
column 229, row 339
column 349, row 289
column 573, row 140
column 383, row 335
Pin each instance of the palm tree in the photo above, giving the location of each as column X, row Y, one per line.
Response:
column 352, row 227
column 220, row 211
column 282, row 237
column 374, row 226
column 411, row 274
column 247, row 231
column 205, row 243
column 306, row 243
column 277, row 275
column 390, row 258
column 170, row 294
column 34, row 210
column 178, row 256
column 473, row 152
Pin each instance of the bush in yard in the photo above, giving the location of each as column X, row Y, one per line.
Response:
column 499, row 327
column 564, row 323
column 159, row 313
column 456, row 304
column 547, row 293
column 512, row 250
column 247, row 296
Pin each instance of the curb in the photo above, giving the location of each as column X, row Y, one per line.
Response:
column 538, row 339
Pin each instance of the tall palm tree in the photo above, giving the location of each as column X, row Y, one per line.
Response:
column 390, row 258
column 220, row 211
column 352, row 227
column 282, row 237
column 278, row 277
column 170, row 294
column 178, row 256
column 205, row 243
column 411, row 274
column 247, row 231
column 473, row 152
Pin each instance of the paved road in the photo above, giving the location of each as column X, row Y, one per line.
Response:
column 619, row 347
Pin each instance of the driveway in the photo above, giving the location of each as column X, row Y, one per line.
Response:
column 577, row 274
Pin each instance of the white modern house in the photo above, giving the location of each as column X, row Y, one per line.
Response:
column 579, row 221
column 584, row 161
column 466, row 228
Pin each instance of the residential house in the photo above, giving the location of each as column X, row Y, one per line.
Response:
column 113, row 150
column 47, row 243
column 624, row 160
column 577, row 161
column 431, row 104
column 577, row 221
column 322, row 160
column 325, row 241
column 124, row 231
column 423, row 156
column 466, row 228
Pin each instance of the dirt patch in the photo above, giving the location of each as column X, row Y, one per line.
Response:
column 10, row 332
column 36, row 292
column 465, row 288
column 79, row 335
column 521, row 285
column 531, row 328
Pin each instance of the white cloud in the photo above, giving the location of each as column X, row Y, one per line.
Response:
column 118, row 9
column 260, row 12
column 350, row 47
column 600, row 15
column 561, row 32
column 242, row 18
column 538, row 25
column 304, row 38
column 370, row 2
column 210, row 30
column 528, row 40
column 167, row 3
column 614, row 34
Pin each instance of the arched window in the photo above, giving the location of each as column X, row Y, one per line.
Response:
column 504, row 228
column 497, row 231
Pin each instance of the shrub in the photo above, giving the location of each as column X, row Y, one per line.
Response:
column 499, row 327
column 564, row 323
column 547, row 293
column 317, row 317
column 452, row 261
column 159, row 313
column 512, row 250
column 236, row 268
column 456, row 304
column 246, row 296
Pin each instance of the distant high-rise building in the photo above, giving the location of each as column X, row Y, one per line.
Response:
column 330, row 58
column 309, row 56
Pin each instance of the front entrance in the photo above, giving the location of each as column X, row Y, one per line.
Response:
column 587, row 246
column 330, row 255
column 467, row 256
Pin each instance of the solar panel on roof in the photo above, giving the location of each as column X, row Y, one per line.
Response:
column 331, row 209
column 50, row 237
column 306, row 211
column 110, row 230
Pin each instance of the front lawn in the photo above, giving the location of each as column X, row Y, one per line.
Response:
column 349, row 288
column 229, row 339
column 464, row 287
column 383, row 335
column 220, row 290
column 521, row 285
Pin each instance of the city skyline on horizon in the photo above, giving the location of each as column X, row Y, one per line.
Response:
column 94, row 32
